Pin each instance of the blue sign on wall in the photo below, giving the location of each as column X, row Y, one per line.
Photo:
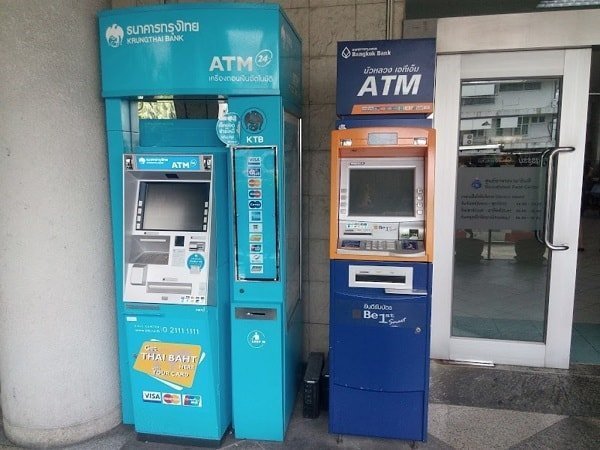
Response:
column 198, row 49
column 385, row 77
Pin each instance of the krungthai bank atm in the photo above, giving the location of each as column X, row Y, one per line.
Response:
column 203, row 106
column 176, row 291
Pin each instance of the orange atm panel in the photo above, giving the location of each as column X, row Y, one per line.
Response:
column 382, row 194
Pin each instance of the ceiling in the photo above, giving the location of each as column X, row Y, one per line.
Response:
column 435, row 9
column 430, row 9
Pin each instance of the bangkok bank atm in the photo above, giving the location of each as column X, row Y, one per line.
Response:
column 380, row 296
column 203, row 105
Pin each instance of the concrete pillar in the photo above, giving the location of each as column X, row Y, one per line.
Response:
column 58, row 355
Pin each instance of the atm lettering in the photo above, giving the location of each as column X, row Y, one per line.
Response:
column 230, row 63
column 180, row 165
column 395, row 84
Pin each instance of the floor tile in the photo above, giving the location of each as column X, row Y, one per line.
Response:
column 483, row 428
column 579, row 433
column 552, row 391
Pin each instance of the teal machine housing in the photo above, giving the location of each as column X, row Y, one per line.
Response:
column 206, row 211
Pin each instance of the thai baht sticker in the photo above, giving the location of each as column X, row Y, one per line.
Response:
column 170, row 363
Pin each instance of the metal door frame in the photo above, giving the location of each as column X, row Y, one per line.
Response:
column 573, row 65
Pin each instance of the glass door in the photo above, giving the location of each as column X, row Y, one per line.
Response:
column 507, row 130
column 510, row 146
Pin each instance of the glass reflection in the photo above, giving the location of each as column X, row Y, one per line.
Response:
column 500, row 268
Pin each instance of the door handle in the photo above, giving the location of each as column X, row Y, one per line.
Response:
column 539, row 234
column 552, row 156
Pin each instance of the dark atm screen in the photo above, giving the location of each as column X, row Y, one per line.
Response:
column 382, row 192
column 174, row 206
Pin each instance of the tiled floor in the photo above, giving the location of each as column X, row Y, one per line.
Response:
column 585, row 344
column 470, row 408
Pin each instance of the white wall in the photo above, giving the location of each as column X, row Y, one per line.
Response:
column 58, row 360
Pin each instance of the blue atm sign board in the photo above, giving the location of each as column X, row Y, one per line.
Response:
column 385, row 77
column 197, row 49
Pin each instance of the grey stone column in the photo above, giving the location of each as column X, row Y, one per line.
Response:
column 58, row 355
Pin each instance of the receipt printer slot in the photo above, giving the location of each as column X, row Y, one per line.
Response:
column 381, row 277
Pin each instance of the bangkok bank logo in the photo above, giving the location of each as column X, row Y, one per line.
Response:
column 114, row 35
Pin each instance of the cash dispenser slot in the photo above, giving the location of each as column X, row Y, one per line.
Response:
column 158, row 287
column 150, row 250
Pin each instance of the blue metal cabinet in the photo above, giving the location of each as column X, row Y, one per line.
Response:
column 379, row 356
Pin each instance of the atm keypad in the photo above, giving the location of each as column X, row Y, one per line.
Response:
column 380, row 245
column 383, row 245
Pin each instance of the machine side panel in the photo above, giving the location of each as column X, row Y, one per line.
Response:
column 292, row 216
column 118, row 143
column 292, row 150
column 291, row 65
column 257, row 351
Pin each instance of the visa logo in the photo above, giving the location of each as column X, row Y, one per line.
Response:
column 254, row 161
column 149, row 396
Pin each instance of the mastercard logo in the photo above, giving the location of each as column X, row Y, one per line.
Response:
column 171, row 399
column 254, row 182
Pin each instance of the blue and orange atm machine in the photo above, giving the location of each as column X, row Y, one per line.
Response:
column 381, row 240
column 203, row 118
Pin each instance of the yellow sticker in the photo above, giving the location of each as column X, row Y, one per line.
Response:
column 169, row 362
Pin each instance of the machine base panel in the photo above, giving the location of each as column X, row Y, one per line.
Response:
column 178, row 440
column 397, row 415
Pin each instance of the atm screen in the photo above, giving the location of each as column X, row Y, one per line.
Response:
column 382, row 192
column 174, row 206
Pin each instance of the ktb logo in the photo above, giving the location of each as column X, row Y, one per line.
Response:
column 114, row 35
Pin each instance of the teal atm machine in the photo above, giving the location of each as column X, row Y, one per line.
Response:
column 203, row 119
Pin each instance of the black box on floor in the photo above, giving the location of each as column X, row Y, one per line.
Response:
column 324, row 388
column 311, row 385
